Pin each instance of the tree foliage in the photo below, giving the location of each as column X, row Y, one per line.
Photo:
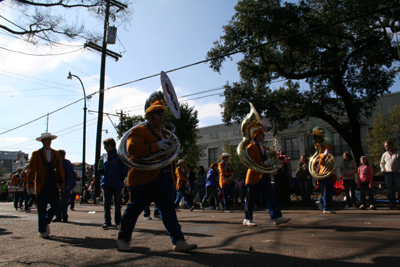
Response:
column 47, row 22
column 384, row 128
column 347, row 66
column 3, row 170
column 186, row 129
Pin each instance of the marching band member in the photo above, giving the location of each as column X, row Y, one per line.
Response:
column 150, row 186
column 29, row 190
column 18, row 181
column 41, row 169
column 257, row 181
column 226, row 173
column 181, row 180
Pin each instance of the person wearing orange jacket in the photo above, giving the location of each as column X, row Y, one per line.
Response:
column 226, row 173
column 29, row 190
column 18, row 181
column 181, row 181
column 46, row 169
column 150, row 186
column 256, row 181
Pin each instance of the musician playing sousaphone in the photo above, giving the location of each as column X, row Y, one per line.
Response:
column 153, row 185
column 257, row 181
column 226, row 173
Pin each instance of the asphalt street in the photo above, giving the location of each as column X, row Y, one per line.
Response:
column 348, row 238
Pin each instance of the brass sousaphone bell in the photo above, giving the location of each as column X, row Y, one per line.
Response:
column 321, row 165
column 161, row 158
column 252, row 122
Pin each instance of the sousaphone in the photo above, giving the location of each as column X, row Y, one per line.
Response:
column 161, row 158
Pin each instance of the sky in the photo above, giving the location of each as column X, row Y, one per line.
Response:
column 163, row 35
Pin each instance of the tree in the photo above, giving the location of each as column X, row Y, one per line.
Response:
column 347, row 66
column 237, row 164
column 384, row 128
column 3, row 170
column 186, row 129
column 46, row 21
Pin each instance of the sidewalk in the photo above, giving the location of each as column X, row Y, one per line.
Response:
column 348, row 238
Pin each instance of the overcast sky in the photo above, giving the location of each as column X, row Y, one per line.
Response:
column 163, row 35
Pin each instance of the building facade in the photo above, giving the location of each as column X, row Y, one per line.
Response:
column 295, row 141
column 13, row 160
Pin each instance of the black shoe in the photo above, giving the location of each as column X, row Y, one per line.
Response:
column 57, row 220
column 105, row 226
column 65, row 220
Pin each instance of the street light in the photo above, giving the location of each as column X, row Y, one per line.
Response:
column 69, row 77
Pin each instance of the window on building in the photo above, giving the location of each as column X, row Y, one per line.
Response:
column 291, row 148
column 339, row 145
column 212, row 156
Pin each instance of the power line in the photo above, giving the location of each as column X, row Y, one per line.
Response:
column 210, row 59
column 42, row 55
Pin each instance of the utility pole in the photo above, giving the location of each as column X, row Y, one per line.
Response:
column 104, row 53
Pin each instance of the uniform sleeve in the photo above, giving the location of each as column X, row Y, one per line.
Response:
column 32, row 168
column 137, row 144
column 60, row 169
column 253, row 154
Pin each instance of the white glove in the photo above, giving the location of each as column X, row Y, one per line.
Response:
column 163, row 144
column 326, row 152
column 266, row 162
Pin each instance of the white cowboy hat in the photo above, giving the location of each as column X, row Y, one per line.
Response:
column 180, row 161
column 225, row 155
column 46, row 135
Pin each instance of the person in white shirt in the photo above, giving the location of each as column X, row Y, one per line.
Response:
column 390, row 166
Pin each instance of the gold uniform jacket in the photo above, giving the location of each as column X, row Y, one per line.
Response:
column 37, row 169
column 142, row 141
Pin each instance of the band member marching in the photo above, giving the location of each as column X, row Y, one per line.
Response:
column 181, row 180
column 256, row 181
column 148, row 186
column 226, row 173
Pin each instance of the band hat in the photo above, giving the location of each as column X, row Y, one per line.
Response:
column 225, row 155
column 154, row 108
column 181, row 161
column 20, row 168
column 46, row 136
column 257, row 132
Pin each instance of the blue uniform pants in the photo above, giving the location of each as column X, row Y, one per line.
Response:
column 162, row 194
column 228, row 194
column 146, row 212
column 327, row 186
column 48, row 194
column 268, row 192
column 18, row 199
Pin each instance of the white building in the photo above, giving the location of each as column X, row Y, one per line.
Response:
column 294, row 141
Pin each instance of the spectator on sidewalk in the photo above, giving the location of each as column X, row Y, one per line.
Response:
column 347, row 169
column 365, row 181
column 304, row 180
column 390, row 166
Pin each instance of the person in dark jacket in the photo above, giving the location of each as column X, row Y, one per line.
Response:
column 70, row 183
column 113, row 172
